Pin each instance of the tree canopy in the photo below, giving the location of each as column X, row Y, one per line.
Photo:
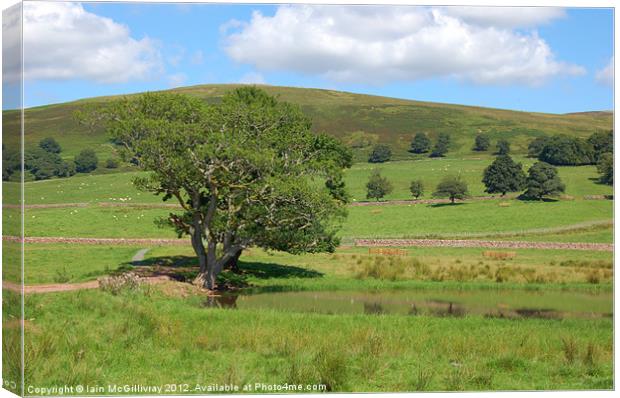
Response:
column 416, row 188
column 503, row 147
column 504, row 175
column 377, row 186
column 482, row 143
column 442, row 145
column 543, row 180
column 452, row 187
column 562, row 150
column 420, row 144
column 86, row 161
column 242, row 171
column 605, row 168
column 380, row 153
column 49, row 144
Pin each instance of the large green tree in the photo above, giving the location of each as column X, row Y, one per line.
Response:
column 563, row 150
column 241, row 170
column 420, row 144
column 378, row 186
column 601, row 143
column 452, row 187
column 504, row 175
column 543, row 180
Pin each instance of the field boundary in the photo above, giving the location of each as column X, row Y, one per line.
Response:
column 99, row 241
column 497, row 244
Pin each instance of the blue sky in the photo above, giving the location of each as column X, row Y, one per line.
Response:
column 542, row 60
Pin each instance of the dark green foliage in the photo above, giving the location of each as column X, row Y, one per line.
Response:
column 337, row 188
column 86, row 161
column 42, row 164
column 380, row 153
column 111, row 163
column 605, row 168
column 378, row 186
column 441, row 146
column 562, row 150
column 536, row 146
column 420, row 144
column 452, row 187
column 543, row 180
column 66, row 169
column 11, row 162
column 503, row 147
column 416, row 188
column 601, row 143
column 482, row 143
column 50, row 145
column 504, row 175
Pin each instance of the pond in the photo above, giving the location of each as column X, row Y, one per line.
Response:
column 507, row 303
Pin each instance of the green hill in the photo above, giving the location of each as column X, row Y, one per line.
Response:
column 357, row 119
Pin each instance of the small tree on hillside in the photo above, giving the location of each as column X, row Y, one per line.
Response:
column 50, row 145
column 420, row 144
column 380, row 153
column 504, row 175
column 503, row 147
column 377, row 186
column 86, row 161
column 416, row 188
column 482, row 143
column 605, row 167
column 543, row 180
column 441, row 146
column 452, row 187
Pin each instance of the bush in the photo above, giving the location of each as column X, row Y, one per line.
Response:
column 377, row 186
column 66, row 169
column 50, row 145
column 380, row 153
column 562, row 150
column 605, row 168
column 117, row 283
column 420, row 144
column 482, row 143
column 416, row 188
column 503, row 147
column 86, row 161
column 111, row 163
column 441, row 146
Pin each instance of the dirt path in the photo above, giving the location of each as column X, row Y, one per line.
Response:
column 65, row 287
column 139, row 256
column 490, row 244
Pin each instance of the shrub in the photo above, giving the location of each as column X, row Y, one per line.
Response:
column 380, row 153
column 86, row 161
column 111, row 163
column 482, row 143
column 420, row 144
column 117, row 283
column 441, row 146
column 50, row 145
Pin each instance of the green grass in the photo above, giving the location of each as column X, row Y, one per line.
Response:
column 92, row 337
column 470, row 217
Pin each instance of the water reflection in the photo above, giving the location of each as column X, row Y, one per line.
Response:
column 509, row 304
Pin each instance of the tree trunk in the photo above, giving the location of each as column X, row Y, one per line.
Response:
column 233, row 263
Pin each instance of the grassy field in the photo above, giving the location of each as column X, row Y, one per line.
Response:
column 388, row 120
column 150, row 338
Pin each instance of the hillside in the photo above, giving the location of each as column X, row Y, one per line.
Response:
column 357, row 119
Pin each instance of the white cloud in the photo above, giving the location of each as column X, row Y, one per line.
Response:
column 606, row 75
column 11, row 41
column 252, row 78
column 506, row 17
column 383, row 44
column 177, row 79
column 64, row 41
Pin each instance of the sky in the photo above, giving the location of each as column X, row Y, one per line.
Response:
column 541, row 59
